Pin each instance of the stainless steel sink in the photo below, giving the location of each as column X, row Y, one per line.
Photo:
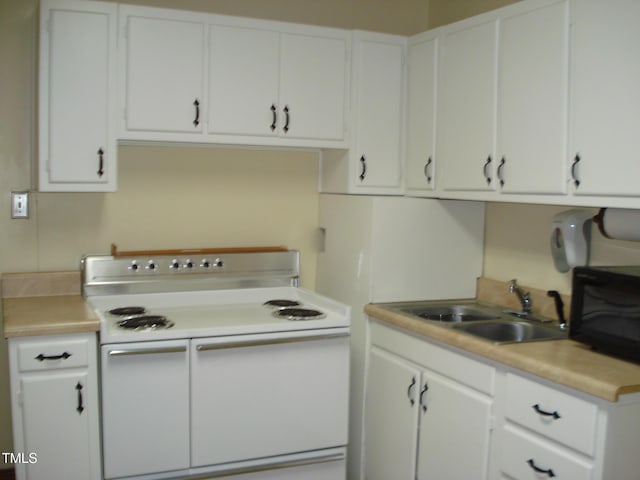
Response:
column 451, row 313
column 485, row 321
column 509, row 331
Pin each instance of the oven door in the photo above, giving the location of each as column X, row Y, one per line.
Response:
column 145, row 407
column 259, row 396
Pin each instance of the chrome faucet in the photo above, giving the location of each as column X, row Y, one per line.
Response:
column 525, row 298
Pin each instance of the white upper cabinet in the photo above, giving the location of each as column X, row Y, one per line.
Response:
column 532, row 100
column 193, row 77
column 266, row 83
column 421, row 112
column 374, row 163
column 313, row 86
column 162, row 71
column 77, row 142
column 467, row 105
column 243, row 81
column 605, row 99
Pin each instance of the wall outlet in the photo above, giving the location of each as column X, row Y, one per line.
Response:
column 19, row 204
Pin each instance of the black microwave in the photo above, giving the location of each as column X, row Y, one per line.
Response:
column 605, row 309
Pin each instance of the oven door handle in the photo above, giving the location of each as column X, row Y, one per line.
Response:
column 271, row 341
column 272, row 466
column 147, row 351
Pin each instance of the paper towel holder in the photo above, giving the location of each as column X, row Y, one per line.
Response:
column 571, row 239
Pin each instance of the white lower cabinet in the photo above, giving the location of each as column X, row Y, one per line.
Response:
column 549, row 431
column 426, row 408
column 54, row 403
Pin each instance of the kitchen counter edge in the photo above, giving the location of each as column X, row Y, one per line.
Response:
column 565, row 362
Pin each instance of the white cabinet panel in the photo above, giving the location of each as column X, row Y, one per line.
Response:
column 244, row 76
column 77, row 147
column 313, row 86
column 455, row 422
column 605, row 98
column 532, row 100
column 379, row 99
column 391, row 417
column 467, row 107
column 421, row 113
column 163, row 67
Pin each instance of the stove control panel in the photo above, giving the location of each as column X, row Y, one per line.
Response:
column 105, row 274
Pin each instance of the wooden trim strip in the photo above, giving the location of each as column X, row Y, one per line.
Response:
column 194, row 251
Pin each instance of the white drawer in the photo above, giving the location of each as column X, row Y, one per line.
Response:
column 43, row 353
column 521, row 454
column 557, row 415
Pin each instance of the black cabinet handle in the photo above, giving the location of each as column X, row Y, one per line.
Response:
column 196, row 121
column 286, row 119
column 544, row 413
column 63, row 356
column 548, row 471
column 410, row 389
column 274, row 117
column 500, row 167
column 80, row 407
column 426, row 169
column 576, row 160
column 100, row 162
column 484, row 170
column 422, row 393
column 363, row 172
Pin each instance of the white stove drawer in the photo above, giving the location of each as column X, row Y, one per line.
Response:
column 265, row 396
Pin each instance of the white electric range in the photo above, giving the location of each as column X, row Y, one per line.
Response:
column 219, row 366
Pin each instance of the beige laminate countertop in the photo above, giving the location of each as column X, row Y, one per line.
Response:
column 48, row 315
column 565, row 362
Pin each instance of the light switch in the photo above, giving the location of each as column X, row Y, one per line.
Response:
column 19, row 204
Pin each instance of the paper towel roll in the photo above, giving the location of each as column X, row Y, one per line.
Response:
column 619, row 223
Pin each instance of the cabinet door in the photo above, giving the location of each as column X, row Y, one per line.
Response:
column 56, row 407
column 164, row 72
column 77, row 96
column 243, row 81
column 532, row 100
column 421, row 111
column 313, row 86
column 391, row 417
column 455, row 430
column 145, row 408
column 379, row 100
column 467, row 106
column 605, row 111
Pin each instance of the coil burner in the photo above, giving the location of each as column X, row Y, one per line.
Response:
column 145, row 322
column 298, row 314
column 279, row 303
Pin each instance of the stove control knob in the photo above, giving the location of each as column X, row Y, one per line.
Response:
column 205, row 263
column 188, row 264
column 175, row 264
column 151, row 265
column 134, row 266
column 219, row 263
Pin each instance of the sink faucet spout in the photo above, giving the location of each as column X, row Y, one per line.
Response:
column 524, row 297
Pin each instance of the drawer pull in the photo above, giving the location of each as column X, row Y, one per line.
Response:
column 63, row 356
column 533, row 465
column 539, row 411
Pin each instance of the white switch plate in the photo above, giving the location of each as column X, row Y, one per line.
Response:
column 19, row 204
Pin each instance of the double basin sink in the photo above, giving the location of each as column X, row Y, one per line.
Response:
column 485, row 321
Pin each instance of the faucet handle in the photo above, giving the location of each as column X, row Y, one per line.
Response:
column 513, row 284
